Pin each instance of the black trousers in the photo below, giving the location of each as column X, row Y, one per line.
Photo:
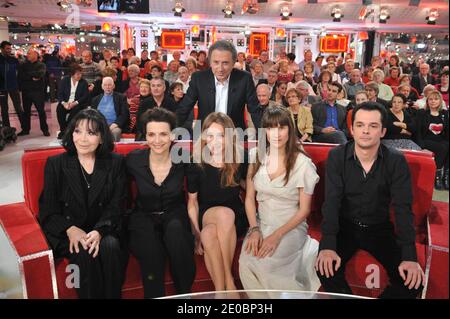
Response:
column 102, row 276
column 440, row 150
column 379, row 241
column 65, row 116
column 38, row 99
column 154, row 237
column 15, row 97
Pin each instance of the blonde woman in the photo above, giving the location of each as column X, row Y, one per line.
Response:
column 215, row 209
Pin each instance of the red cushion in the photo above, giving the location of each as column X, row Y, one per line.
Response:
column 438, row 225
column 22, row 229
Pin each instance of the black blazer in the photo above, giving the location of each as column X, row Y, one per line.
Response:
column 81, row 93
column 120, row 106
column 63, row 204
column 418, row 83
column 202, row 90
column 319, row 113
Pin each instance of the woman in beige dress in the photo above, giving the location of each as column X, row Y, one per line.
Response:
column 278, row 253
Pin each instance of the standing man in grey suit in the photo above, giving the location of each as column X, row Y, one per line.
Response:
column 221, row 88
column 329, row 118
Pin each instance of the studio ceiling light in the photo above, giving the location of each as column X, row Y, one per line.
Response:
column 336, row 13
column 432, row 16
column 228, row 10
column 384, row 15
column 285, row 13
column 178, row 9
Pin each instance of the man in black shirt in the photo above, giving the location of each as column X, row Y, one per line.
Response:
column 362, row 179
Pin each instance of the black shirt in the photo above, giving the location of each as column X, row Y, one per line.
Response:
column 169, row 197
column 353, row 195
column 206, row 181
column 393, row 132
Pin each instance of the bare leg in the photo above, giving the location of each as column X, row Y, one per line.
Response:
column 223, row 218
column 213, row 255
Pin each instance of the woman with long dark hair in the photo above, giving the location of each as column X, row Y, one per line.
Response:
column 278, row 253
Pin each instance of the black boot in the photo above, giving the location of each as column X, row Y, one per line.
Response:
column 438, row 180
column 446, row 178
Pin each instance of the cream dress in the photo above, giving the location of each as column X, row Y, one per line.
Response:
column 291, row 267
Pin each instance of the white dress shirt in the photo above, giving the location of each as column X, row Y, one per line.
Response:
column 222, row 95
column 73, row 89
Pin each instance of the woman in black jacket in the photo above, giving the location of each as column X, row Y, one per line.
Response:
column 400, row 126
column 80, row 205
column 432, row 134
column 159, row 227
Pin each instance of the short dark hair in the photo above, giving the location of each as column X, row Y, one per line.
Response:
column 371, row 106
column 156, row 67
column 115, row 58
column 338, row 85
column 174, row 85
column 400, row 95
column 74, row 68
column 223, row 45
column 444, row 73
column 201, row 52
column 158, row 114
column 96, row 122
column 291, row 56
column 132, row 49
column 4, row 44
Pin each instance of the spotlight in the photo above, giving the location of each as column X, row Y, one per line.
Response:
column 15, row 36
column 64, row 5
column 103, row 41
column 27, row 38
column 247, row 31
column 384, row 15
column 41, row 37
column 285, row 13
column 82, row 39
column 432, row 16
column 178, row 9
column 228, row 10
column 337, row 14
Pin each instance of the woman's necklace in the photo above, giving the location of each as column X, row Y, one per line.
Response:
column 84, row 176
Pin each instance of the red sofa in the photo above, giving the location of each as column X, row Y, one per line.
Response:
column 44, row 277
